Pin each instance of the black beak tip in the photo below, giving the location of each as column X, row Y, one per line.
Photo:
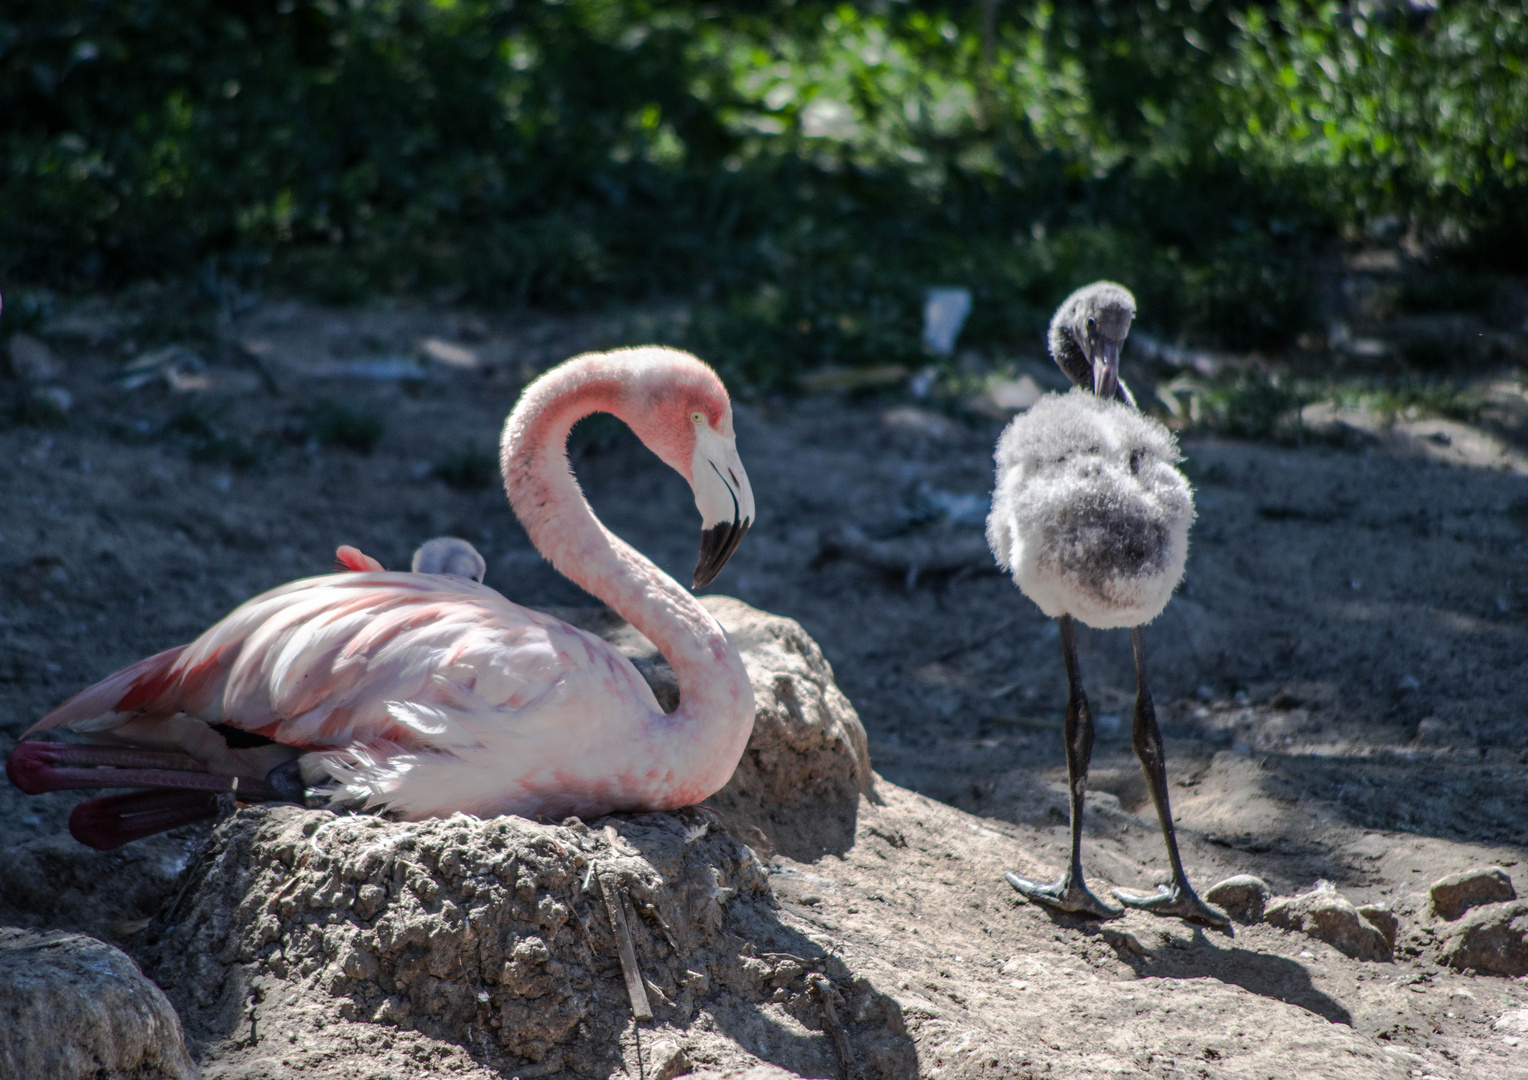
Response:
column 717, row 545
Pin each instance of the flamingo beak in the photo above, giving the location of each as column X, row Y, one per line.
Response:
column 725, row 501
column 1104, row 355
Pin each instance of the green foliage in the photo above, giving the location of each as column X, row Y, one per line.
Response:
column 1266, row 405
column 800, row 170
column 1389, row 111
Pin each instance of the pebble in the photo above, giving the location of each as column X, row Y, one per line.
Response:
column 1242, row 897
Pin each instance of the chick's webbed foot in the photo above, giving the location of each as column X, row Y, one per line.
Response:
column 1066, row 894
column 1173, row 901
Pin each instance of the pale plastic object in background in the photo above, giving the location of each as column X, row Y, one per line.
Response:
column 944, row 313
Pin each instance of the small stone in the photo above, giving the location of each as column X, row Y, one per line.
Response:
column 1326, row 915
column 448, row 354
column 75, row 1008
column 1242, row 897
column 31, row 360
column 1492, row 937
column 1382, row 919
column 669, row 1061
column 1452, row 896
column 1514, row 1020
column 1432, row 731
column 916, row 423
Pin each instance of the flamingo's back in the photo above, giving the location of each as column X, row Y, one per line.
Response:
column 422, row 693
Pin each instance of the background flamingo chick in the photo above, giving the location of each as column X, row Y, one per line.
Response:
column 1091, row 516
column 449, row 555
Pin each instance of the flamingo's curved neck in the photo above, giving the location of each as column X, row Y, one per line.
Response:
column 561, row 524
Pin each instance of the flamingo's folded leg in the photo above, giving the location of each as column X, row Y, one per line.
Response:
column 36, row 767
column 113, row 820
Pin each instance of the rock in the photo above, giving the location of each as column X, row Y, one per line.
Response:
column 1242, row 897
column 1433, row 731
column 669, row 1061
column 31, row 360
column 1513, row 1020
column 448, row 354
column 1491, row 937
column 808, row 760
column 757, row 1072
column 1382, row 919
column 74, row 1008
column 1326, row 915
column 1452, row 896
column 912, row 422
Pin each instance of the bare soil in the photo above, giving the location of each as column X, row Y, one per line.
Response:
column 1340, row 682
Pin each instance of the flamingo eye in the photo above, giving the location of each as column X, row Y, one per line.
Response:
column 698, row 417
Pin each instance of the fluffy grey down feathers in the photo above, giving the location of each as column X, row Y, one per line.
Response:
column 1091, row 514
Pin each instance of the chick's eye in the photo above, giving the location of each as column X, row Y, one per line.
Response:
column 698, row 417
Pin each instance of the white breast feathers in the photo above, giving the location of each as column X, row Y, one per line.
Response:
column 1091, row 514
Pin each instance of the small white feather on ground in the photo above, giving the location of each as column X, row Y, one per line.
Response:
column 1091, row 514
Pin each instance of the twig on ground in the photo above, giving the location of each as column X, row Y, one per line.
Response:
column 829, row 996
column 635, row 988
column 909, row 556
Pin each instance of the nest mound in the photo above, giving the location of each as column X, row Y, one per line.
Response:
column 518, row 948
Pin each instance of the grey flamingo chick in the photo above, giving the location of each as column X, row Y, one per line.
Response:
column 443, row 555
column 1091, row 516
column 449, row 555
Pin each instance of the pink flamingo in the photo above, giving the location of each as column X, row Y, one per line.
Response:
column 426, row 694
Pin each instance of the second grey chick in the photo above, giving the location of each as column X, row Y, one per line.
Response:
column 449, row 555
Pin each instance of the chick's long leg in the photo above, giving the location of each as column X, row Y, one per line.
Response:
column 1178, row 898
column 1070, row 893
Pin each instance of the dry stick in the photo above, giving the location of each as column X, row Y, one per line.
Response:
column 951, row 653
column 827, row 993
column 635, row 989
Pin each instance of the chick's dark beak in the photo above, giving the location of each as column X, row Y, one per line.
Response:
column 1105, row 357
column 716, row 547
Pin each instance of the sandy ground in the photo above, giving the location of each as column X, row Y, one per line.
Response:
column 1339, row 679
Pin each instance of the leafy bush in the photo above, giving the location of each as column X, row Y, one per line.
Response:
column 801, row 170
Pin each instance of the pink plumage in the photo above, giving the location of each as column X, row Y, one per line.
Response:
column 427, row 694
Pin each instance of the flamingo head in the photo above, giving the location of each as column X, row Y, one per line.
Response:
column 1086, row 334
column 684, row 415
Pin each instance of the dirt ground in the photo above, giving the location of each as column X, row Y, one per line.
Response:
column 1339, row 678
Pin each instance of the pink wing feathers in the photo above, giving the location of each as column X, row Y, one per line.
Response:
column 372, row 670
